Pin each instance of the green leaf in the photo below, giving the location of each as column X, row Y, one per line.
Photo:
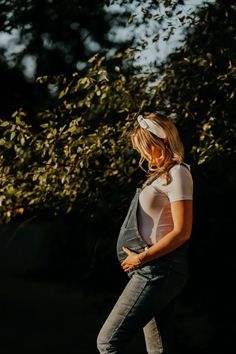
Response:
column 4, row 124
column 93, row 58
column 130, row 19
column 12, row 136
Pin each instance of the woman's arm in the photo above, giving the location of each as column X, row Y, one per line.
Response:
column 182, row 215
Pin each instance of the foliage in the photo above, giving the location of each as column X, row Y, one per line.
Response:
column 55, row 33
column 79, row 146
column 77, row 150
column 48, row 37
column 200, row 80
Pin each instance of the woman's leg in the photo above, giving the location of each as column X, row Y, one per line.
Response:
column 152, row 337
column 159, row 334
column 143, row 297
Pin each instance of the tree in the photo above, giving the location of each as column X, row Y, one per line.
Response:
column 57, row 38
column 53, row 37
column 78, row 149
column 199, row 81
column 56, row 34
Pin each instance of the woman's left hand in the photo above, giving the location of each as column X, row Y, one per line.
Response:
column 131, row 262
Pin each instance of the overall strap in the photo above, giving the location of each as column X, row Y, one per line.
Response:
column 185, row 165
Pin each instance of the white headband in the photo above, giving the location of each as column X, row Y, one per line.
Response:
column 152, row 127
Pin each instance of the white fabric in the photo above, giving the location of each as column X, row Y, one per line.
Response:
column 155, row 128
column 154, row 209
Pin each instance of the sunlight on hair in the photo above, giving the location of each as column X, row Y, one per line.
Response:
column 145, row 142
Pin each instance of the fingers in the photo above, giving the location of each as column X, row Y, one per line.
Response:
column 127, row 251
column 128, row 268
column 127, row 262
column 130, row 262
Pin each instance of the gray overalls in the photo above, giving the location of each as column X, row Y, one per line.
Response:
column 149, row 290
column 129, row 235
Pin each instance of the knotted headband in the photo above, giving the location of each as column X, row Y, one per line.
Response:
column 154, row 128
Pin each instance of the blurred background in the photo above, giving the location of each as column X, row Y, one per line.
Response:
column 74, row 76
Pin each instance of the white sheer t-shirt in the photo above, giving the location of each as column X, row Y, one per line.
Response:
column 154, row 208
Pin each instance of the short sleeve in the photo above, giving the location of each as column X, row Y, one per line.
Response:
column 181, row 185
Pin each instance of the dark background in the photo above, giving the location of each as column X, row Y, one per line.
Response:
column 60, row 278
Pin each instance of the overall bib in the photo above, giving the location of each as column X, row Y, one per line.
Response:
column 129, row 236
column 143, row 303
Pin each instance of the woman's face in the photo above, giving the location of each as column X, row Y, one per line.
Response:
column 156, row 154
column 151, row 156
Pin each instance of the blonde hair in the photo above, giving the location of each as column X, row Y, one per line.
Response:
column 171, row 147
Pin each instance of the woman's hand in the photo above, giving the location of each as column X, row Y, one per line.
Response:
column 132, row 260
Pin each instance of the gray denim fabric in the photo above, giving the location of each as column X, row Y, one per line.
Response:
column 148, row 294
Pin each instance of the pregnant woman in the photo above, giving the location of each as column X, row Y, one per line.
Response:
column 153, row 241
